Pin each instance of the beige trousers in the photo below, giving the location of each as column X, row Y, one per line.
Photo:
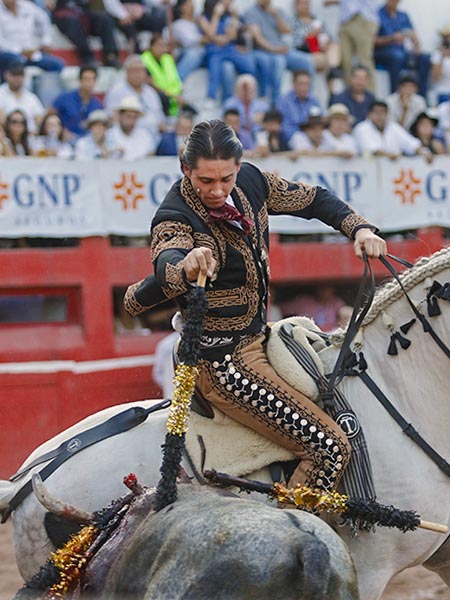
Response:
column 244, row 386
column 357, row 37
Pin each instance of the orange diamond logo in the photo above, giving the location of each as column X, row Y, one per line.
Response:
column 407, row 186
column 4, row 195
column 129, row 191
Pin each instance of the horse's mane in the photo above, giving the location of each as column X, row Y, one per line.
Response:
column 387, row 293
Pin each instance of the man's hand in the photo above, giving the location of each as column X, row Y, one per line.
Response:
column 199, row 260
column 366, row 239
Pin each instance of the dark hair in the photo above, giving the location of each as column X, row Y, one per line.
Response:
column 86, row 68
column 177, row 9
column 272, row 114
column 231, row 111
column 376, row 103
column 24, row 137
column 212, row 140
column 359, row 68
column 296, row 74
column 208, row 8
column 50, row 113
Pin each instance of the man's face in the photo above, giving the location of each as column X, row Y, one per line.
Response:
column 136, row 75
column 378, row 116
column 301, row 85
column 407, row 89
column 87, row 82
column 15, row 81
column 234, row 122
column 213, row 180
column 314, row 132
column 127, row 120
column 338, row 125
column 359, row 80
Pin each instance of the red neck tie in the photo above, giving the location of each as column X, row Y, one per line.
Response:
column 230, row 213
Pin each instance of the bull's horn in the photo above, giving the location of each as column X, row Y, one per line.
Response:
column 58, row 507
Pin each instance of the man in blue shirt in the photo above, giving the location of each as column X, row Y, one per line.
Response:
column 75, row 106
column 397, row 47
column 356, row 96
column 296, row 106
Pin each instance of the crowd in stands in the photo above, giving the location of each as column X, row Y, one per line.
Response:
column 246, row 54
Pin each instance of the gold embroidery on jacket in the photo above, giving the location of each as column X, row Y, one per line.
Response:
column 174, row 283
column 282, row 199
column 131, row 304
column 168, row 235
column 349, row 223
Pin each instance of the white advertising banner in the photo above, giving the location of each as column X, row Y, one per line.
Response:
column 59, row 198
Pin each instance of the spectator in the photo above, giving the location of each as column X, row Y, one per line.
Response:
column 356, row 96
column 357, row 32
column 164, row 77
column 232, row 118
column 25, row 36
column 377, row 136
column 440, row 67
column 172, row 142
column 16, row 134
column 296, row 105
column 132, row 17
column 337, row 135
column 251, row 109
column 135, row 84
column 272, row 136
column 14, row 95
column 312, row 36
column 221, row 26
column 310, row 141
column 99, row 142
column 443, row 114
column 132, row 139
column 322, row 306
column 343, row 316
column 397, row 47
column 187, row 37
column 50, row 139
column 74, row 106
column 5, row 150
column 163, row 368
column 406, row 104
column 79, row 19
column 272, row 56
column 423, row 129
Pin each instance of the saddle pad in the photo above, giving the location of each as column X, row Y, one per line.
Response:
column 230, row 446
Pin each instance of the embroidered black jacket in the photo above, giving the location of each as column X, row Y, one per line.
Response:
column 237, row 295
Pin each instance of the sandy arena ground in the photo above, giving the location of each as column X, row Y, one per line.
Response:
column 414, row 584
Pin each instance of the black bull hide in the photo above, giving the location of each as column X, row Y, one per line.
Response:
column 210, row 544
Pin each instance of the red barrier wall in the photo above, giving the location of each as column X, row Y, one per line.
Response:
column 39, row 400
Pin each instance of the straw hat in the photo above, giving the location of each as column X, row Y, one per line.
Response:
column 338, row 110
column 130, row 103
column 445, row 30
column 96, row 116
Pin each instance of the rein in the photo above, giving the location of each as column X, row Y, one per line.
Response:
column 347, row 364
column 125, row 420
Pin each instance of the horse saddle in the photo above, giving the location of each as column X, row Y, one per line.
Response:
column 214, row 441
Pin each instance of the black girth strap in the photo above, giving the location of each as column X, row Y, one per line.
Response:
column 406, row 427
column 125, row 420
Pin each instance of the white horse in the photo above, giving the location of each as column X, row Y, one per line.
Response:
column 414, row 380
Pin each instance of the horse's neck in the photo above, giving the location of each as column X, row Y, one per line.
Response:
column 415, row 381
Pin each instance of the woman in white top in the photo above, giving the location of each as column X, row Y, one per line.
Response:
column 99, row 142
column 440, row 67
column 50, row 140
column 337, row 135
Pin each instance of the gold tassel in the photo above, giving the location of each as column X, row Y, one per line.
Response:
column 184, row 382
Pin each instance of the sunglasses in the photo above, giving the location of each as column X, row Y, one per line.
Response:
column 17, row 122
